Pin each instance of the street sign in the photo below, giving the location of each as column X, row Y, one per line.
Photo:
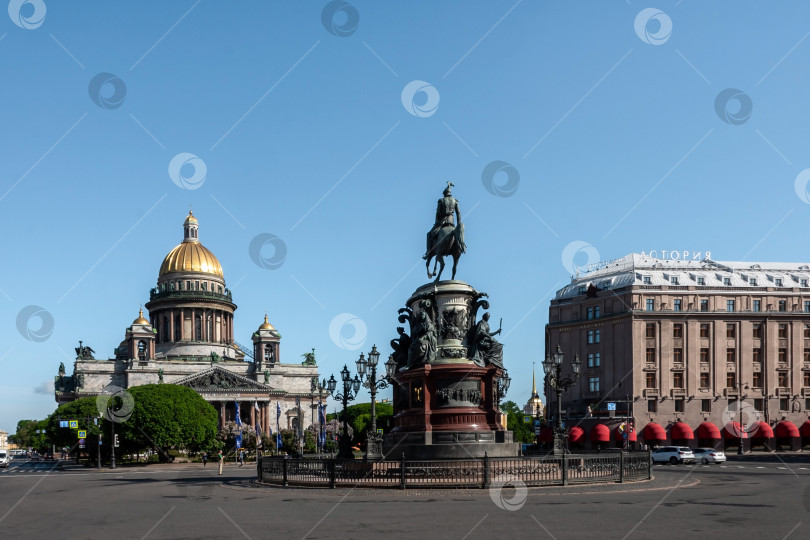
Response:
column 63, row 423
column 82, row 435
column 537, row 431
column 380, row 431
column 74, row 424
column 81, row 441
column 536, row 422
column 527, row 419
column 622, row 427
column 611, row 406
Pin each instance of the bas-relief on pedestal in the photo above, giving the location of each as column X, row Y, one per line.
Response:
column 448, row 364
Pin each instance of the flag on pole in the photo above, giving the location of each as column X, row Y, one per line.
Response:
column 278, row 441
column 238, row 415
column 238, row 441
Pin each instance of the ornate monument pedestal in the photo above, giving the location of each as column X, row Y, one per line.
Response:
column 446, row 388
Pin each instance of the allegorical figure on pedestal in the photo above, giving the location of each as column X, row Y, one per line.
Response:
column 423, row 341
column 485, row 349
column 446, row 237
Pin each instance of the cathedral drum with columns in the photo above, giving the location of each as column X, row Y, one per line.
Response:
column 188, row 340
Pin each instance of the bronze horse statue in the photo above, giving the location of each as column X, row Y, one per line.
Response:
column 448, row 241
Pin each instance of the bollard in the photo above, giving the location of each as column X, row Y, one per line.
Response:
column 564, row 470
column 402, row 472
column 284, row 472
column 486, row 471
column 621, row 467
column 331, row 467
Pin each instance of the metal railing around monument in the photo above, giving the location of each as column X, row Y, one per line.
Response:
column 449, row 473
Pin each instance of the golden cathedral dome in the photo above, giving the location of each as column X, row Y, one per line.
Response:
column 266, row 324
column 191, row 256
column 140, row 319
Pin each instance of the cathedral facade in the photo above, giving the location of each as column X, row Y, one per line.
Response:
column 188, row 340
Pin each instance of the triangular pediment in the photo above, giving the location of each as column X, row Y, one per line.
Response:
column 217, row 379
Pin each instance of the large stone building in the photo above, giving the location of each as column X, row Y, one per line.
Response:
column 674, row 346
column 188, row 340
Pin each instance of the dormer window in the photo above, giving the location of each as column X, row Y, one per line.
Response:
column 803, row 282
column 752, row 281
column 647, row 280
column 778, row 282
column 726, row 281
column 582, row 289
column 701, row 280
column 674, row 280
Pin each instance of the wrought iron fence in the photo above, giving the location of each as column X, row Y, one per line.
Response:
column 468, row 473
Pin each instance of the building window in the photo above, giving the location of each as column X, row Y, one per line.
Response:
column 705, row 405
column 677, row 330
column 757, row 380
column 198, row 328
column 188, row 285
column 704, row 305
column 782, row 331
column 757, row 355
column 782, row 355
column 650, row 330
column 704, row 380
column 757, row 330
column 704, row 354
column 726, row 281
column 582, row 289
column 757, row 305
column 783, row 404
column 782, row 305
column 730, row 379
column 758, row 404
column 807, row 331
column 730, row 305
column 593, row 384
column 752, row 281
column 650, row 376
column 165, row 336
column 593, row 336
column 807, row 306
column 679, row 405
column 647, row 280
column 807, row 355
column 778, row 282
column 783, row 379
column 674, row 280
column 142, row 350
column 803, row 282
column 590, row 313
column 704, row 330
column 730, row 355
column 676, row 305
column 677, row 356
column 594, row 359
column 596, row 312
column 596, row 336
column 701, row 280
column 806, row 379
column 677, row 379
column 177, row 335
column 652, row 405
column 650, row 355
column 730, row 330
column 650, row 304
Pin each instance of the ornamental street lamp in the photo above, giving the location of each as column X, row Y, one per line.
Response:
column 740, row 386
column 368, row 375
column 350, row 389
column 552, row 366
column 501, row 388
column 321, row 389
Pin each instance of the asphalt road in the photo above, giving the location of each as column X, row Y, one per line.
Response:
column 739, row 499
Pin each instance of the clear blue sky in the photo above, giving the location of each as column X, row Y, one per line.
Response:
column 614, row 133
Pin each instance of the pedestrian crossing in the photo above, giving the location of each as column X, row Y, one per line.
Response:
column 26, row 468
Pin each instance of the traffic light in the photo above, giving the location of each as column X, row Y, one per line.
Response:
column 115, row 442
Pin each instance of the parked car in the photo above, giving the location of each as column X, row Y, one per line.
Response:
column 673, row 455
column 709, row 455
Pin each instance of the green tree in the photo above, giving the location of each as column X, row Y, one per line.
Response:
column 85, row 412
column 30, row 433
column 359, row 418
column 514, row 422
column 166, row 416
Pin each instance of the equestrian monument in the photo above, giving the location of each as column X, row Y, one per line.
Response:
column 450, row 375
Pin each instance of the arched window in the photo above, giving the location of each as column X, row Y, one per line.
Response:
column 198, row 328
column 209, row 328
column 142, row 351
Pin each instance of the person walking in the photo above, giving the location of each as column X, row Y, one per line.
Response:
column 241, row 457
column 221, row 462
column 205, row 458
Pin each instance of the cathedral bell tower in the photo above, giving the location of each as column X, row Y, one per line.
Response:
column 140, row 341
column 266, row 346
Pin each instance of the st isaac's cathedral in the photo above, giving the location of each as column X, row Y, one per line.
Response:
column 188, row 340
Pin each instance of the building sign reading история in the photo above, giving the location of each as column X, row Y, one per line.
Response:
column 684, row 255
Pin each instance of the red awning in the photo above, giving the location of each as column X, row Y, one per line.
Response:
column 546, row 434
column 786, row 429
column 576, row 434
column 680, row 431
column 734, row 431
column 653, row 432
column 600, row 433
column 760, row 430
column 631, row 436
column 805, row 429
column 707, row 430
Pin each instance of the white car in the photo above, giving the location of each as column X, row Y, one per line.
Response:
column 709, row 455
column 4, row 458
column 673, row 455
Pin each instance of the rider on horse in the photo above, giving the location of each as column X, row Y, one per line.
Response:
column 446, row 207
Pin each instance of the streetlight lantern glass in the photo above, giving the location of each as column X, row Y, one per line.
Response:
column 576, row 363
column 558, row 356
column 332, row 384
column 373, row 356
column 344, row 374
column 390, row 366
column 356, row 384
column 361, row 365
column 507, row 380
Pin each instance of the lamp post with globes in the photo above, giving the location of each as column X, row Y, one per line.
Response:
column 552, row 366
column 368, row 375
column 350, row 389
